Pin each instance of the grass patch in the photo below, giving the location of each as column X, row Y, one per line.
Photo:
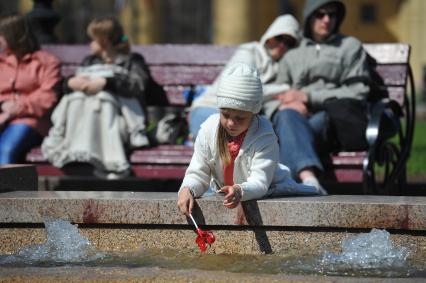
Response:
column 416, row 166
column 417, row 160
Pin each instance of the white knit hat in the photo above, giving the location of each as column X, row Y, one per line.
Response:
column 240, row 88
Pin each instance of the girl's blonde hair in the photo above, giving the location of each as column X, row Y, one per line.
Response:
column 18, row 34
column 110, row 29
column 222, row 143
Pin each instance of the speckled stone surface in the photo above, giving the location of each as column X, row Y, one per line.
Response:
column 13, row 239
column 125, row 221
column 133, row 222
column 342, row 211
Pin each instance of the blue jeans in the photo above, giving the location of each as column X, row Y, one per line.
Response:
column 197, row 116
column 15, row 141
column 298, row 139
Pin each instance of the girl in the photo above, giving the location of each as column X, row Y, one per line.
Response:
column 28, row 77
column 101, row 116
column 237, row 150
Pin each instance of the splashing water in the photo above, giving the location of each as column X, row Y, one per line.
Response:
column 372, row 251
column 371, row 254
column 64, row 244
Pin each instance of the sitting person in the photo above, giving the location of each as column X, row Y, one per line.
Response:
column 28, row 77
column 101, row 118
column 237, row 150
column 327, row 66
column 282, row 35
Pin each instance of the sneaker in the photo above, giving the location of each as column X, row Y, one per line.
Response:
column 117, row 175
column 138, row 140
column 312, row 181
column 111, row 175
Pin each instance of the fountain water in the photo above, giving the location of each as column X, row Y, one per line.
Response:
column 64, row 245
column 371, row 254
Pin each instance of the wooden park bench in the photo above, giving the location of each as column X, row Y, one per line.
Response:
column 382, row 166
column 178, row 66
column 172, row 66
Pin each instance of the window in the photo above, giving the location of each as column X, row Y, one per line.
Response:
column 368, row 13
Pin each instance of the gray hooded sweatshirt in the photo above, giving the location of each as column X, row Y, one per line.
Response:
column 335, row 68
column 255, row 54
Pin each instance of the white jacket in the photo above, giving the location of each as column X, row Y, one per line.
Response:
column 255, row 54
column 256, row 168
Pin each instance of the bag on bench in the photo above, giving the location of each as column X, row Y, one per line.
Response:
column 171, row 129
column 347, row 124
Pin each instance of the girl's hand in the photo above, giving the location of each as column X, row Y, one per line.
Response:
column 298, row 106
column 232, row 197
column 79, row 83
column 10, row 107
column 95, row 85
column 185, row 201
column 293, row 95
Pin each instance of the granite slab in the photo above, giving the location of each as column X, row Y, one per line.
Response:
column 337, row 211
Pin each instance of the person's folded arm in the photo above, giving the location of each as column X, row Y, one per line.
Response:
column 41, row 100
column 132, row 83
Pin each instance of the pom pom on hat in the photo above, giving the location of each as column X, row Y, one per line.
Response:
column 240, row 88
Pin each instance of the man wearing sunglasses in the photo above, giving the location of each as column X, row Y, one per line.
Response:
column 326, row 66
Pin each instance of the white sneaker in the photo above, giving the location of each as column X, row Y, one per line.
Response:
column 312, row 181
column 138, row 140
column 111, row 175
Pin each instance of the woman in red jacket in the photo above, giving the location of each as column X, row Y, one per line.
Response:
column 28, row 77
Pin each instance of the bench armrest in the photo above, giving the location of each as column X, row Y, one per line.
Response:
column 383, row 122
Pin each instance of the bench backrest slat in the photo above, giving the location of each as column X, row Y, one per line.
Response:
column 175, row 66
column 397, row 94
column 393, row 75
column 69, row 54
column 389, row 53
column 185, row 54
column 156, row 54
column 185, row 74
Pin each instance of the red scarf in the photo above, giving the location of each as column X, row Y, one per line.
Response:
column 234, row 145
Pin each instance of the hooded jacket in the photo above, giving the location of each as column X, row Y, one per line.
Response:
column 255, row 54
column 256, row 167
column 335, row 68
column 312, row 5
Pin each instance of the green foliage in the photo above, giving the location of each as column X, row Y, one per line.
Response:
column 417, row 160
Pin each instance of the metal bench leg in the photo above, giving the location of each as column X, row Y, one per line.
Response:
column 369, row 178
